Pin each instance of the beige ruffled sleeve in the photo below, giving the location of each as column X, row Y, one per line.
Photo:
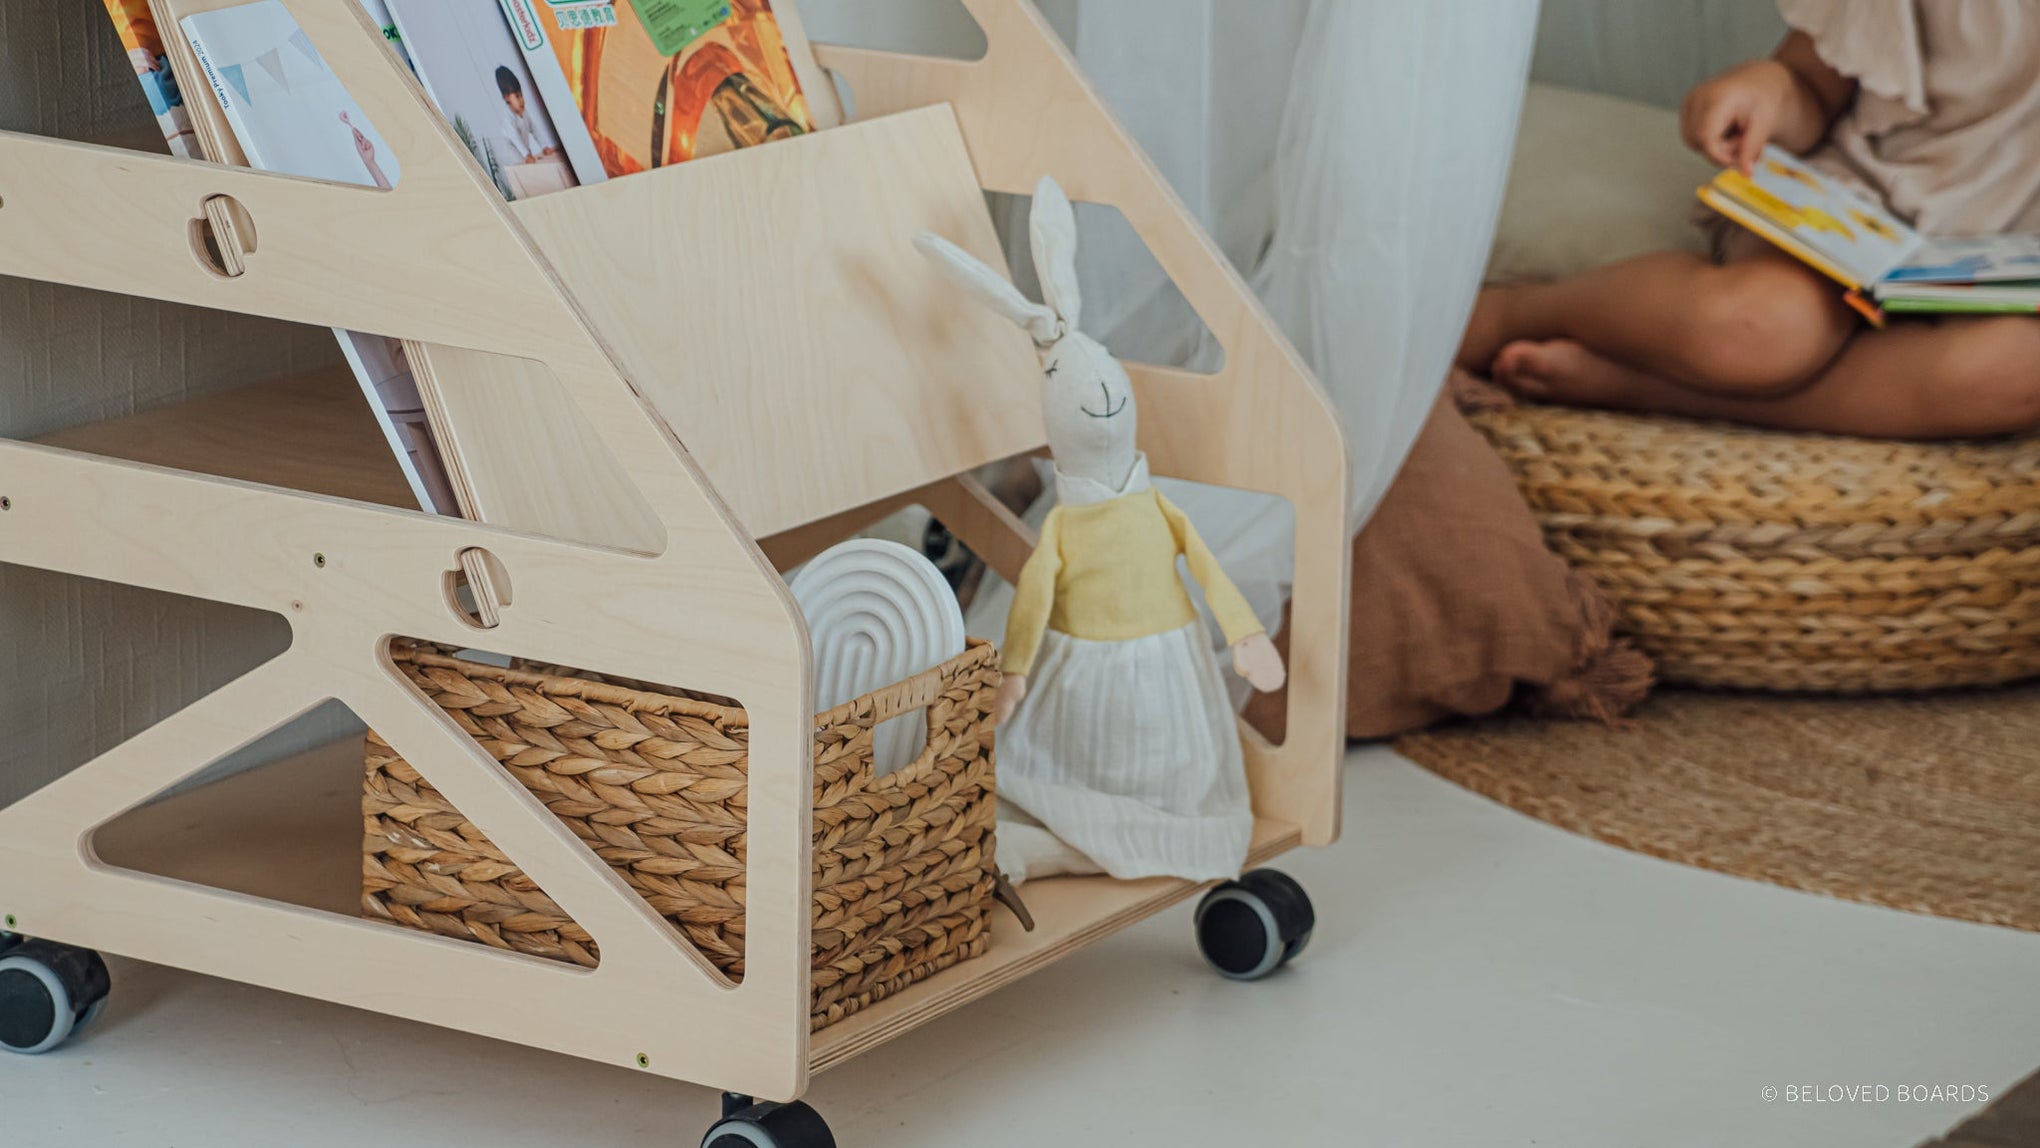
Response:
column 1875, row 42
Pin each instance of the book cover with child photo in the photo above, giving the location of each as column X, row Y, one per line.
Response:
column 660, row 82
column 471, row 67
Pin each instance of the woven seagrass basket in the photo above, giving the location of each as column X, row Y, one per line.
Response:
column 654, row 783
column 1763, row 559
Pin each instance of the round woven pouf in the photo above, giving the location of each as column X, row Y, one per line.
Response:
column 1769, row 560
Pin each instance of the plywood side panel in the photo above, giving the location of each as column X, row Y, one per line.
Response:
column 774, row 297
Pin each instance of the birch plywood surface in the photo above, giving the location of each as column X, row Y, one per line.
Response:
column 313, row 433
column 771, row 306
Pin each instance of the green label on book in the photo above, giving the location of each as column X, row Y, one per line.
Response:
column 674, row 24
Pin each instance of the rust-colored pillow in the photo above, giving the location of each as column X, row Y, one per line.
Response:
column 1458, row 606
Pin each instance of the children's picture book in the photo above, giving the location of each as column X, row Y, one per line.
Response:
column 1887, row 266
column 286, row 107
column 289, row 113
column 1814, row 218
column 549, row 82
column 137, row 28
column 471, row 67
column 660, row 82
column 2012, row 297
column 1973, row 259
column 379, row 11
column 385, row 376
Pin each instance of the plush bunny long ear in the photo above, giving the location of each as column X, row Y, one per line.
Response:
column 991, row 288
column 1054, row 227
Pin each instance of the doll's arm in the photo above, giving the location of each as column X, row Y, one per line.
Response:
column 1228, row 605
column 1033, row 597
column 1254, row 656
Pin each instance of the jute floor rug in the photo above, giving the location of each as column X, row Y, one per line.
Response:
column 1927, row 804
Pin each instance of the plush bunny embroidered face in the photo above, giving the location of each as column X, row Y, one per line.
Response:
column 1086, row 398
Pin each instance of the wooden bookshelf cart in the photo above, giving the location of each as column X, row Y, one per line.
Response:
column 679, row 383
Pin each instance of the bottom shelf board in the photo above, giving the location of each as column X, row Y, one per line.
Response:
column 291, row 832
column 1069, row 913
column 312, row 432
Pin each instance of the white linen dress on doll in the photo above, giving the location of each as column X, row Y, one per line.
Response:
column 1125, row 748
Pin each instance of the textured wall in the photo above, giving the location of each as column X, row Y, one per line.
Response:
column 1650, row 50
column 84, row 665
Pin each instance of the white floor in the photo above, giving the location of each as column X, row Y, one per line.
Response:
column 1477, row 978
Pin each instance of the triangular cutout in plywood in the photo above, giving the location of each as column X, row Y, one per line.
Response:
column 944, row 28
column 89, row 664
column 649, row 777
column 645, row 776
column 278, row 819
column 1130, row 303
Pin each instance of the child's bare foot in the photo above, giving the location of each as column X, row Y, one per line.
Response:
column 1560, row 370
column 1488, row 329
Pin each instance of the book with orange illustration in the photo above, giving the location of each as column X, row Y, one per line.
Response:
column 660, row 82
column 144, row 46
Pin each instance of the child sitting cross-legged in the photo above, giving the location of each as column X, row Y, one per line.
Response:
column 1929, row 106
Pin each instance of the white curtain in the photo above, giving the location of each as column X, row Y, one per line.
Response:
column 1393, row 158
column 1365, row 220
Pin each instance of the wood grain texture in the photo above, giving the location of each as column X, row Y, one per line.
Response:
column 437, row 259
column 820, row 325
column 313, row 433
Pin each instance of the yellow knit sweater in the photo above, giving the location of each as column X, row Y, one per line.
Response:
column 1106, row 571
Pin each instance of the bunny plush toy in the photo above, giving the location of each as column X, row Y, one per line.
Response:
column 1118, row 750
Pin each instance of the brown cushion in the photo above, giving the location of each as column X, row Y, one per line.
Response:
column 1457, row 603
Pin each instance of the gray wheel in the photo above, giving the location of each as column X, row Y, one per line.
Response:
column 1251, row 927
column 47, row 993
column 35, row 1008
column 771, row 1126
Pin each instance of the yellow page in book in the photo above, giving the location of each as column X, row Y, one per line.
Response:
column 1813, row 217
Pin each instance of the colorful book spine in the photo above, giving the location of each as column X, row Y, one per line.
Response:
column 379, row 11
column 137, row 29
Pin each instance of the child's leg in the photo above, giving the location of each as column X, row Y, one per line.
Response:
column 1758, row 324
column 1920, row 379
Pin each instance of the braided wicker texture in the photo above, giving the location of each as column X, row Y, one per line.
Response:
column 654, row 783
column 1762, row 559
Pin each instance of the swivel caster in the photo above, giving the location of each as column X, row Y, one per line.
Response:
column 48, row 994
column 1248, row 928
column 767, row 1125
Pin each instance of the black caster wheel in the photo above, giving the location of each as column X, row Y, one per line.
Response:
column 1248, row 928
column 768, row 1125
column 48, row 994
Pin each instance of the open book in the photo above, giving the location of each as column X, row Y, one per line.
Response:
column 1884, row 263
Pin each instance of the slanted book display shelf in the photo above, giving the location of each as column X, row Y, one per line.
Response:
column 654, row 394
